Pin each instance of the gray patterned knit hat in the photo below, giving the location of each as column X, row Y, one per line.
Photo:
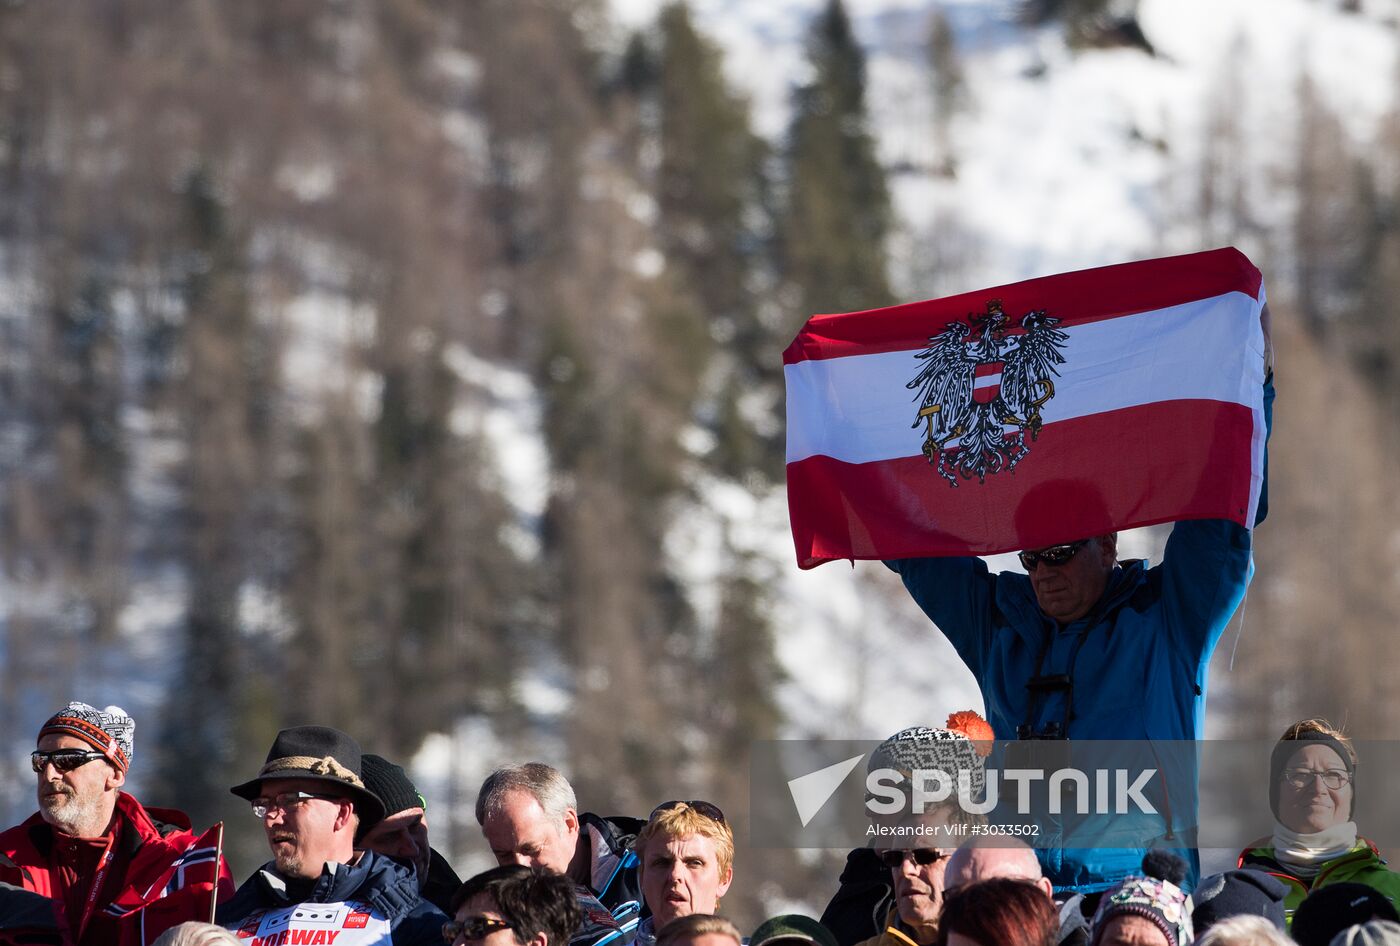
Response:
column 951, row 751
column 110, row 731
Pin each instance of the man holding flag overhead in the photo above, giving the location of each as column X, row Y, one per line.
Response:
column 1046, row 415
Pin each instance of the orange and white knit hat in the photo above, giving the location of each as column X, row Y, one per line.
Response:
column 110, row 731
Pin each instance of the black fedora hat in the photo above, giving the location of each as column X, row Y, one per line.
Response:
column 321, row 754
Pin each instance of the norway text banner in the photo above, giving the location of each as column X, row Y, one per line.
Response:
column 1029, row 414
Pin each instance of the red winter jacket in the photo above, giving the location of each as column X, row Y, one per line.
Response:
column 169, row 874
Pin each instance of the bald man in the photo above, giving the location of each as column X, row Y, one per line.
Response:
column 984, row 858
column 990, row 858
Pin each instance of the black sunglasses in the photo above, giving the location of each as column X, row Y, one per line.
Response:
column 701, row 807
column 65, row 760
column 473, row 927
column 1054, row 555
column 923, row 856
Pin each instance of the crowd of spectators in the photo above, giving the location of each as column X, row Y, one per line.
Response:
column 351, row 862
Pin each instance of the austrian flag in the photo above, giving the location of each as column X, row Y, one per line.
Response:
column 1030, row 414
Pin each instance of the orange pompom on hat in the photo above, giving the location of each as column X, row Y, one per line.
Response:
column 974, row 727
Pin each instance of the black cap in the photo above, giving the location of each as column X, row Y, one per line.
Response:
column 391, row 783
column 792, row 929
column 1240, row 892
column 1328, row 910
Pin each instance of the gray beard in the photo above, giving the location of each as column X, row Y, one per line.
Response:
column 75, row 817
column 289, row 866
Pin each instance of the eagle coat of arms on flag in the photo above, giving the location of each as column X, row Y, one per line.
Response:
column 981, row 389
column 1139, row 384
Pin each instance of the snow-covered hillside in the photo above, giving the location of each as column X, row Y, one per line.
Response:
column 1068, row 159
column 1065, row 159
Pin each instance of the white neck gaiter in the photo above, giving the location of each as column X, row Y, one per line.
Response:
column 1306, row 854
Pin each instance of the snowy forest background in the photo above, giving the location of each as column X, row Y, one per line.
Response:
column 413, row 366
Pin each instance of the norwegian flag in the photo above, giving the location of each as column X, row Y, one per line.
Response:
column 1029, row 414
column 195, row 864
column 185, row 889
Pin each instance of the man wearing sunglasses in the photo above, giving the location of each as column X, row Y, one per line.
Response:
column 112, row 866
column 1083, row 646
column 311, row 800
column 917, row 876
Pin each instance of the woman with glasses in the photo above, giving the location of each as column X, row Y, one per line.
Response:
column 514, row 906
column 1312, row 792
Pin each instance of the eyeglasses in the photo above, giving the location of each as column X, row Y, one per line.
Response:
column 923, row 856
column 473, row 927
column 286, row 800
column 1054, row 555
column 701, row 807
column 1303, row 778
column 65, row 760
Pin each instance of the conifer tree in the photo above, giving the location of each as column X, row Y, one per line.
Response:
column 222, row 377
column 83, row 401
column 837, row 215
column 713, row 226
column 948, row 87
column 1325, row 231
column 1080, row 17
column 711, row 194
column 610, row 349
column 710, row 177
column 1381, row 260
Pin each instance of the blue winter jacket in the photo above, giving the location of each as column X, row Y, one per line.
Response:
column 1139, row 658
column 1140, row 670
column 347, row 902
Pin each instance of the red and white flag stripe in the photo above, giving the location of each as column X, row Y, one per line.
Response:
column 1157, row 415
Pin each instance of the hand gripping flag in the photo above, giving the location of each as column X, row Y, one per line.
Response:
column 1030, row 414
